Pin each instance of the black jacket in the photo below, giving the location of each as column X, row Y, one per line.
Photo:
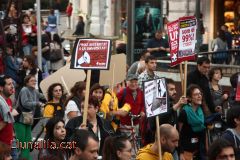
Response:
column 195, row 77
column 104, row 126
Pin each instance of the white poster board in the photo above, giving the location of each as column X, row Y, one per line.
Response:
column 155, row 97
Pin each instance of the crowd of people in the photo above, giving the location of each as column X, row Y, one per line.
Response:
column 106, row 135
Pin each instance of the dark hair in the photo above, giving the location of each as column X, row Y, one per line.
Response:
column 95, row 87
column 27, row 78
column 81, row 137
column 51, row 88
column 222, row 35
column 143, row 53
column 234, row 79
column 112, row 145
column 50, row 127
column 3, row 79
column 150, row 57
column 57, row 39
column 169, row 81
column 216, row 148
column 24, row 16
column 233, row 112
column 202, row 60
column 92, row 100
column 212, row 72
column 76, row 90
column 191, row 88
column 31, row 60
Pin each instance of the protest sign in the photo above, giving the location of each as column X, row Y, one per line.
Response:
column 187, row 38
column 91, row 54
column 155, row 96
column 173, row 32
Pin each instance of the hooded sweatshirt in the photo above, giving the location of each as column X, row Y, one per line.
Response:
column 146, row 153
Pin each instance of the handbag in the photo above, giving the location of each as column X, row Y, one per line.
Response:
column 55, row 54
column 27, row 118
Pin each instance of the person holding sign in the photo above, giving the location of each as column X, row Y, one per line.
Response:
column 95, row 124
column 199, row 77
column 191, row 126
column 169, row 141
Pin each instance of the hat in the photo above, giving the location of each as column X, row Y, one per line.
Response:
column 132, row 77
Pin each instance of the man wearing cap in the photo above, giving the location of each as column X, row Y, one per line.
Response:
column 132, row 100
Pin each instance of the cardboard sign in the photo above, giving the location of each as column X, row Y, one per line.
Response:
column 155, row 97
column 173, row 32
column 63, row 75
column 187, row 38
column 238, row 90
column 91, row 54
column 119, row 75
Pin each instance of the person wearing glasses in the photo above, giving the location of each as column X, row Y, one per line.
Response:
column 199, row 77
column 191, row 126
column 221, row 149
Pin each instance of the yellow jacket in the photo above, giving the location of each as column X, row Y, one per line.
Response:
column 146, row 153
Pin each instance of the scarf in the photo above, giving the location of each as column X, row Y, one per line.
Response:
column 195, row 119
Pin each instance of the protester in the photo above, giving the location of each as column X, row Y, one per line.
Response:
column 218, row 96
column 232, row 133
column 6, row 119
column 149, row 72
column 117, row 148
column 98, row 92
column 234, row 84
column 56, row 49
column 87, row 145
column 199, row 77
column 54, row 107
column 73, row 103
column 95, row 124
column 168, row 140
column 55, row 134
column 221, row 149
column 191, row 126
column 27, row 103
column 139, row 66
column 132, row 102
column 29, row 35
column 11, row 64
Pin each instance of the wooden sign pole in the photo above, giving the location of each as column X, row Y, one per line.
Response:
column 158, row 137
column 65, row 85
column 86, row 97
column 181, row 76
column 113, row 76
column 185, row 78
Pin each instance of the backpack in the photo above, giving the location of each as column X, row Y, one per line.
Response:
column 57, row 113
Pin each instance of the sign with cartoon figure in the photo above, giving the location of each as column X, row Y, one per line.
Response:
column 155, row 96
column 91, row 54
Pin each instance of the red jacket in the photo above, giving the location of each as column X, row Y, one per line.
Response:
column 69, row 10
column 137, row 105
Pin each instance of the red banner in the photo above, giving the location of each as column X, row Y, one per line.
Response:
column 173, row 31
